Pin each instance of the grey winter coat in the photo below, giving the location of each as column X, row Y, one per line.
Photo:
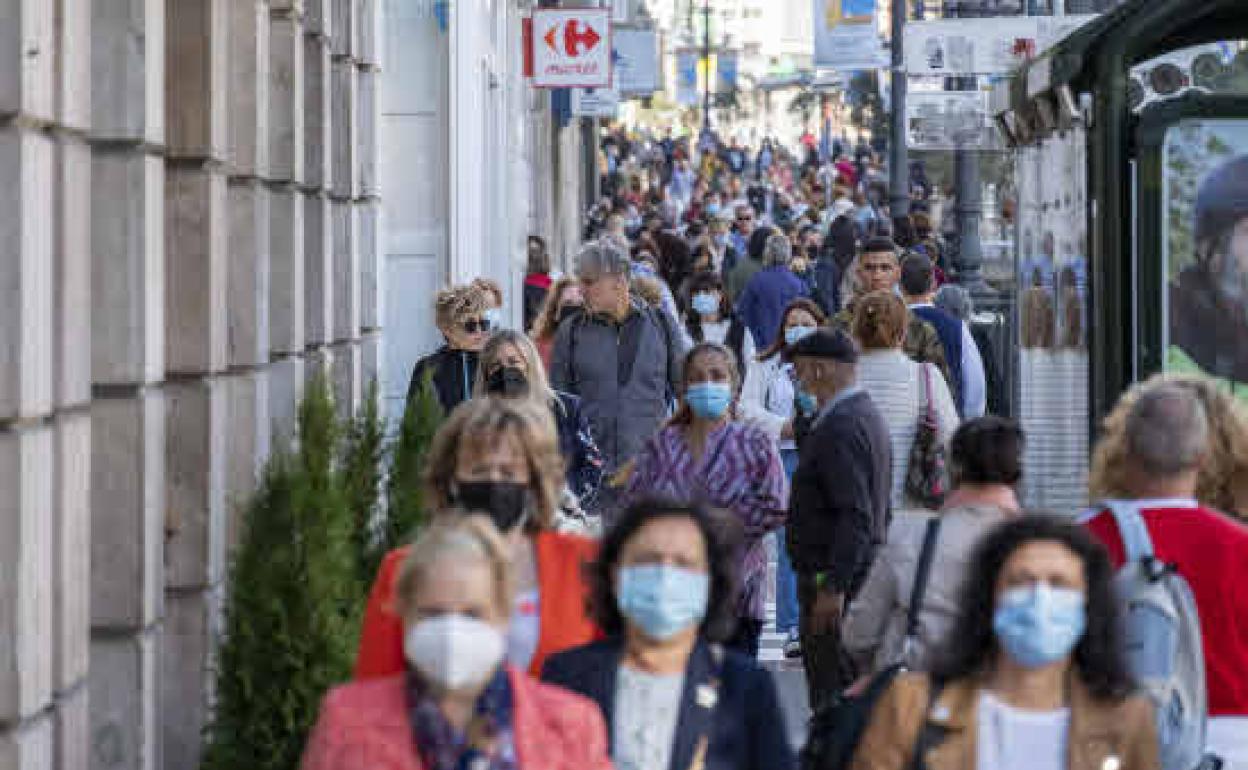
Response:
column 625, row 374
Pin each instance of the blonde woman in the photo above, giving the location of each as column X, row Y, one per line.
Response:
column 1223, row 480
column 455, row 702
column 459, row 313
column 501, row 457
column 512, row 368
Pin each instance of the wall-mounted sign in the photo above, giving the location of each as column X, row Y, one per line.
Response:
column 687, row 78
column 636, row 67
column 950, row 120
column 845, row 35
column 595, row 102
column 571, row 48
column 990, row 46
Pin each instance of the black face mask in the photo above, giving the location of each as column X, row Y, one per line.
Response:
column 509, row 381
column 506, row 502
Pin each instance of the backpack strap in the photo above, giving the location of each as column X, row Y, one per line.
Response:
column 1136, row 542
column 921, row 575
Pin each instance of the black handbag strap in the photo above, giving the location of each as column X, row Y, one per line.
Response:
column 924, row 571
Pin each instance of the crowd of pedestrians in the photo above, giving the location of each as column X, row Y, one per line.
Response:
column 751, row 359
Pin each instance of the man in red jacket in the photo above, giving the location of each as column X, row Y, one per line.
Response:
column 1167, row 435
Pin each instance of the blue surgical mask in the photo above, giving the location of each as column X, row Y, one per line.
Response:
column 662, row 600
column 807, row 404
column 713, row 209
column 709, row 400
column 705, row 303
column 493, row 315
column 1038, row 625
column 795, row 334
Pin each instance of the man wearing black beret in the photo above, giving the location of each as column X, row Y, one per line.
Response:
column 839, row 504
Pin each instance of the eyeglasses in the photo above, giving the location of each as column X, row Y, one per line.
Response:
column 481, row 325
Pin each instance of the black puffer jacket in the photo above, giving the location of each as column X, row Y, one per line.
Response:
column 454, row 372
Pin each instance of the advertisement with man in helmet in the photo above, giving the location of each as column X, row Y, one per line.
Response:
column 1206, row 247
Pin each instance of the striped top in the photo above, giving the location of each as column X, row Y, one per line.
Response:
column 739, row 471
column 895, row 384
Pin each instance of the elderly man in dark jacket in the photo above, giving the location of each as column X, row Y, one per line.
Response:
column 621, row 357
column 839, row 505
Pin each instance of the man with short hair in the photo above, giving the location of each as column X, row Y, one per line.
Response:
column 743, row 228
column 878, row 269
column 1167, row 439
column 966, row 366
column 839, row 505
column 621, row 357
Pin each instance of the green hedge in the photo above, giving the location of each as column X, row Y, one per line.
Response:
column 313, row 535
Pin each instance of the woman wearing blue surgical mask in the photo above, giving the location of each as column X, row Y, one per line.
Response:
column 773, row 405
column 455, row 702
column 705, row 455
column 663, row 589
column 710, row 319
column 1032, row 676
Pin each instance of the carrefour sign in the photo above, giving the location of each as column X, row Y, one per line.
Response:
column 571, row 48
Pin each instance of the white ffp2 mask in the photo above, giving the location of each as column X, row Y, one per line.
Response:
column 454, row 651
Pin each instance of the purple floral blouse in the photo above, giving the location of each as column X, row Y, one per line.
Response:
column 740, row 472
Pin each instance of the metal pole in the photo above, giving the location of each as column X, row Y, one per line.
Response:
column 969, row 260
column 706, row 57
column 899, row 160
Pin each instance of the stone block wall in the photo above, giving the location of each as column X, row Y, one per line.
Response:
column 188, row 204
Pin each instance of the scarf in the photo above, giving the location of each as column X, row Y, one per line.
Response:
column 486, row 745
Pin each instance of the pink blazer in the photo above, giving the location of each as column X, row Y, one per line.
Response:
column 364, row 725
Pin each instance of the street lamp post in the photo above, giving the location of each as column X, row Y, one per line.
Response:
column 899, row 159
column 969, row 261
column 706, row 57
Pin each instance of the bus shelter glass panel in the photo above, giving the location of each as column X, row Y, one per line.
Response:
column 1205, row 250
column 1053, row 378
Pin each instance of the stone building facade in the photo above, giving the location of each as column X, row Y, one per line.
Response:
column 189, row 228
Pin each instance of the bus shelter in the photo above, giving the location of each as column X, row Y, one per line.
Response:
column 1130, row 139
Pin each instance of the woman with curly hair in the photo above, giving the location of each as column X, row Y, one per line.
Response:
column 664, row 589
column 460, row 314
column 1032, row 675
column 1223, row 480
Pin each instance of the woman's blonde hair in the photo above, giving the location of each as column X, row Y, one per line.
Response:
column 544, row 326
column 880, row 319
column 477, row 424
column 539, row 386
column 1222, row 483
column 489, row 287
column 458, row 538
column 453, row 305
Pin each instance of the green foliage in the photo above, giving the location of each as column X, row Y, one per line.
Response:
column 405, row 492
column 292, row 611
column 364, row 453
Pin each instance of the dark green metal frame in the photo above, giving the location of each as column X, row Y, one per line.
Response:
column 1097, row 60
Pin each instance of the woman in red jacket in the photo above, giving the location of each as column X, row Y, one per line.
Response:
column 455, row 703
column 499, row 457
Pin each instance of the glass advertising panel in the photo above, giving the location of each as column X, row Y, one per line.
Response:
column 1053, row 321
column 1205, row 249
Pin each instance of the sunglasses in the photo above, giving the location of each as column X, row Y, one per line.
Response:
column 472, row 327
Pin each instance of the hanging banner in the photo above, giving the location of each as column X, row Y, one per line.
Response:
column 687, row 78
column 595, row 102
column 636, row 54
column 845, row 35
column 571, row 48
column 728, row 65
column 950, row 120
column 990, row 46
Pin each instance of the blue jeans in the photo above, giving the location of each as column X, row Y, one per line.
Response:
column 787, row 613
